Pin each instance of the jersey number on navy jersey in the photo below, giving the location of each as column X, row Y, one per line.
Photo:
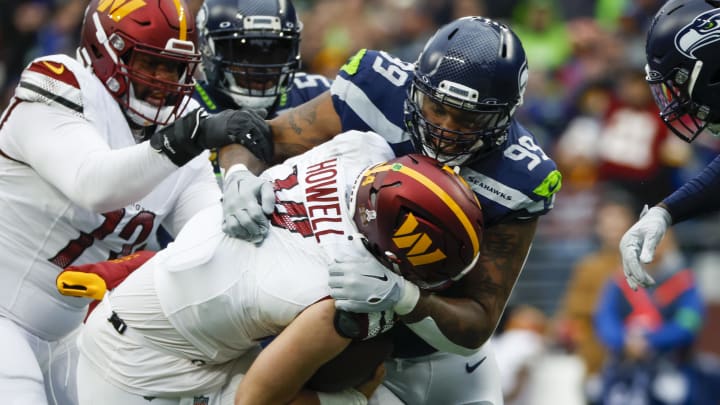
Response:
column 526, row 149
column 393, row 69
column 307, row 81
column 75, row 248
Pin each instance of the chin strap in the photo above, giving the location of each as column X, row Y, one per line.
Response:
column 428, row 330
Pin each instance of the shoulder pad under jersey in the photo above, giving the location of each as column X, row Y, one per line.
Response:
column 305, row 87
column 54, row 80
column 369, row 94
column 516, row 182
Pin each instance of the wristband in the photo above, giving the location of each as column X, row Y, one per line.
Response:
column 409, row 299
column 237, row 167
column 349, row 396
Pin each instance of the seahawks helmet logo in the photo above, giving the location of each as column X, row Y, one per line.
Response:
column 703, row 30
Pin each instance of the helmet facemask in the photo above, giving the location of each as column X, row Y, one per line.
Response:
column 171, row 97
column 685, row 118
column 453, row 147
column 253, row 65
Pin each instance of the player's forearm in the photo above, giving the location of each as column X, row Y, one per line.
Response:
column 299, row 129
column 469, row 311
column 238, row 154
column 68, row 153
column 455, row 325
column 696, row 197
column 138, row 168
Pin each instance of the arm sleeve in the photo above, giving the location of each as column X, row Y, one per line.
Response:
column 68, row 152
column 698, row 196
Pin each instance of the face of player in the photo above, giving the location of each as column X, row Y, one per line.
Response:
column 452, row 130
column 154, row 69
column 255, row 63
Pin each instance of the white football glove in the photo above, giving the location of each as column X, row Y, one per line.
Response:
column 360, row 283
column 639, row 243
column 247, row 201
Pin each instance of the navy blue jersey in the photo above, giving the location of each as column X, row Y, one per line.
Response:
column 514, row 182
column 305, row 87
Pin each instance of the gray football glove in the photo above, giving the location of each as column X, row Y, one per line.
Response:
column 639, row 242
column 360, row 283
column 247, row 202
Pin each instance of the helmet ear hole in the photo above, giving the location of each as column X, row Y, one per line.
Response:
column 714, row 78
column 373, row 197
column 95, row 51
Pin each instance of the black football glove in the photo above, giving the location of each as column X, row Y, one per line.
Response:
column 188, row 136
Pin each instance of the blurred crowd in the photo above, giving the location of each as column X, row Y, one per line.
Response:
column 589, row 106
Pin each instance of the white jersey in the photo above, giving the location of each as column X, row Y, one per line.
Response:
column 76, row 188
column 208, row 298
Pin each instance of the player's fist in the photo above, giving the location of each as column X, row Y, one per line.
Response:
column 191, row 134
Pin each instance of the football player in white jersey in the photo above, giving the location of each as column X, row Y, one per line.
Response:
column 94, row 154
column 177, row 326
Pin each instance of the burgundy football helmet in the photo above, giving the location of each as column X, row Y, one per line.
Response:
column 420, row 219
column 116, row 32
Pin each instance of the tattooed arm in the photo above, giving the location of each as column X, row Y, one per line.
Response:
column 294, row 131
column 298, row 129
column 469, row 311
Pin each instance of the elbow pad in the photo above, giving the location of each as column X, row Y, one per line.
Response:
column 428, row 330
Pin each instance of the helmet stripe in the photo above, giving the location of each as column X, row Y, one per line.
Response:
column 182, row 19
column 420, row 178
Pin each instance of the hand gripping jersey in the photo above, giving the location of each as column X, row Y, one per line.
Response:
column 516, row 181
column 305, row 87
column 43, row 230
column 208, row 298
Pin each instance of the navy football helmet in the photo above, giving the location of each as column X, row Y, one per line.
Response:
column 683, row 66
column 250, row 48
column 474, row 72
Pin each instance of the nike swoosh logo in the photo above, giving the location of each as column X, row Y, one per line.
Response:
column 384, row 277
column 552, row 187
column 58, row 70
column 470, row 368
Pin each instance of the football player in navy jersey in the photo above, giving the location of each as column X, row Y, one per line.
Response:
column 251, row 59
column 682, row 71
column 456, row 103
